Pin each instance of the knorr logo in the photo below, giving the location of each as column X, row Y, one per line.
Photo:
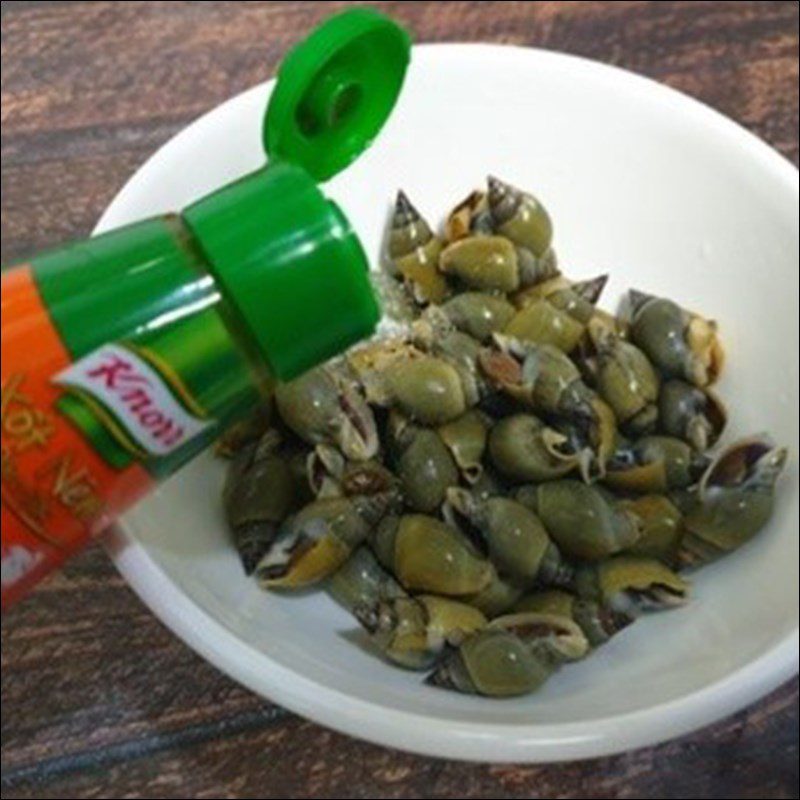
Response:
column 139, row 401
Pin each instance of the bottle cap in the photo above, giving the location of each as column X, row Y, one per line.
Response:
column 335, row 91
column 285, row 257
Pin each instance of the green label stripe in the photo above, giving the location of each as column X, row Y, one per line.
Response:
column 180, row 392
column 139, row 401
column 110, row 422
column 72, row 407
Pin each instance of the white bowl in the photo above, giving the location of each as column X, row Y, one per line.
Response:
column 642, row 182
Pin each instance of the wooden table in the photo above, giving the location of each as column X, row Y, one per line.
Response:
column 98, row 699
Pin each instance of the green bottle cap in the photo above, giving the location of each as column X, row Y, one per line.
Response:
column 335, row 91
column 285, row 256
column 287, row 260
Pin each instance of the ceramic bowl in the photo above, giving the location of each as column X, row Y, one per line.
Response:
column 642, row 182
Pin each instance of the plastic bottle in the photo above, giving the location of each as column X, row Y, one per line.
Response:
column 123, row 356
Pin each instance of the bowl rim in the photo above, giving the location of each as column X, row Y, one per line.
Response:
column 487, row 742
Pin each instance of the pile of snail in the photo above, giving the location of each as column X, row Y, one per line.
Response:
column 513, row 478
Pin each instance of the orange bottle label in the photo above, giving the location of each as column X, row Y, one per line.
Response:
column 57, row 491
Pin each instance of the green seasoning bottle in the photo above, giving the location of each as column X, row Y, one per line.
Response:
column 125, row 355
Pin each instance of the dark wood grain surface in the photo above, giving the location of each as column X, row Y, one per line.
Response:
column 98, row 699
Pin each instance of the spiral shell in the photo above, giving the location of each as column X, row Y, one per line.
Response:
column 654, row 464
column 414, row 631
column 583, row 521
column 470, row 217
column 733, row 501
column 517, row 542
column 426, row 470
column 695, row 415
column 543, row 323
column 414, row 251
column 362, row 582
column 626, row 380
column 544, row 378
column 662, row 527
column 678, row 342
column 324, row 407
column 520, row 217
column 313, row 544
column 465, row 438
column 427, row 389
column 632, row 585
column 578, row 299
column 523, row 448
column 259, row 492
column 513, row 656
column 428, row 556
column 479, row 314
column 484, row 263
column 598, row 623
